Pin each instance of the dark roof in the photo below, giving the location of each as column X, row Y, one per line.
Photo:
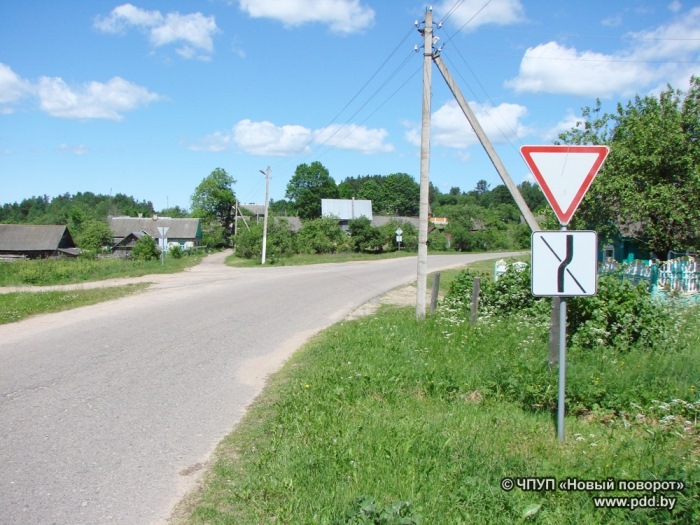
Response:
column 177, row 228
column 34, row 237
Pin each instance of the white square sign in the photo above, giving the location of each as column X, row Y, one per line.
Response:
column 564, row 263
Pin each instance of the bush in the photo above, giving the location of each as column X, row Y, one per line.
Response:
column 620, row 314
column 145, row 249
column 410, row 235
column 322, row 236
column 364, row 236
column 175, row 251
column 280, row 240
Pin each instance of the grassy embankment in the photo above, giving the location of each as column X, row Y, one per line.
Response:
column 387, row 420
column 17, row 306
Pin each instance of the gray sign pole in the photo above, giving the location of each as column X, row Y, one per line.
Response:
column 561, row 404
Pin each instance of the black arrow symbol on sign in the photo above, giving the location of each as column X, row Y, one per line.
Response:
column 563, row 266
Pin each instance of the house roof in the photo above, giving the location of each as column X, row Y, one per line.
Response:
column 381, row 220
column 177, row 228
column 33, row 237
column 346, row 209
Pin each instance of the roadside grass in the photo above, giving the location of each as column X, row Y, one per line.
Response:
column 17, row 306
column 46, row 272
column 420, row 422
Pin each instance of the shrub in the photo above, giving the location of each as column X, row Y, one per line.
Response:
column 620, row 314
column 175, row 251
column 145, row 249
column 364, row 236
column 322, row 236
column 280, row 240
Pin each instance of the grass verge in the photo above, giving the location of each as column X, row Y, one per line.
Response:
column 387, row 420
column 47, row 272
column 17, row 306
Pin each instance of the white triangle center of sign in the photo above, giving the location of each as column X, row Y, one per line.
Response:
column 564, row 173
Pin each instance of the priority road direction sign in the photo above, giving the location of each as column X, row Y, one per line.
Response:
column 564, row 263
column 564, row 173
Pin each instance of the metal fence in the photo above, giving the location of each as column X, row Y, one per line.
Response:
column 674, row 278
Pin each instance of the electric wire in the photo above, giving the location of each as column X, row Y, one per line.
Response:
column 286, row 165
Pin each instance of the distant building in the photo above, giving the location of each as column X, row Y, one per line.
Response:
column 127, row 230
column 346, row 210
column 35, row 241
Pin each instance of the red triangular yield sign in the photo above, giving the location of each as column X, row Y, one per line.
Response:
column 564, row 173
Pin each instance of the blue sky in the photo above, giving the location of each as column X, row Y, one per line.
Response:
column 147, row 98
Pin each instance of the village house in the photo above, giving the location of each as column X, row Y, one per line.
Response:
column 36, row 241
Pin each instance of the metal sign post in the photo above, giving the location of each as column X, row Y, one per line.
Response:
column 163, row 230
column 399, row 238
column 564, row 263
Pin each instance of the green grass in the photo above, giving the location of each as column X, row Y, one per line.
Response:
column 47, row 272
column 480, row 267
column 421, row 417
column 17, row 306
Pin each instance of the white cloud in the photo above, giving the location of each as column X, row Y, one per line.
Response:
column 194, row 30
column 675, row 6
column 569, row 122
column 265, row 138
column 476, row 13
column 342, row 16
column 450, row 128
column 660, row 55
column 12, row 88
column 93, row 100
column 353, row 137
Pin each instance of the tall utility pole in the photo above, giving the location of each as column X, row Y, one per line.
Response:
column 422, row 278
column 267, row 199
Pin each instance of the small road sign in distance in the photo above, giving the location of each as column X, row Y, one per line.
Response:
column 564, row 263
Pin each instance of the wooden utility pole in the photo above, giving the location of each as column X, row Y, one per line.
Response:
column 422, row 278
column 267, row 199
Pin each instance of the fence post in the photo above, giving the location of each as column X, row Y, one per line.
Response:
column 435, row 291
column 476, row 289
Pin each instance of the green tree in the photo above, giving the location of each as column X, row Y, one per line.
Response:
column 409, row 236
column 533, row 195
column 95, row 234
column 651, row 180
column 364, row 236
column 145, row 249
column 280, row 240
column 214, row 201
column 306, row 188
column 176, row 212
column 402, row 195
column 321, row 235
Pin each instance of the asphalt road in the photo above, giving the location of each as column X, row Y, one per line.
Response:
column 108, row 410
